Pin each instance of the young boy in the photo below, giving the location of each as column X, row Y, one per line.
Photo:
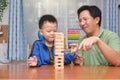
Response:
column 42, row 52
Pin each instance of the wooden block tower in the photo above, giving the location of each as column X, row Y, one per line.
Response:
column 59, row 48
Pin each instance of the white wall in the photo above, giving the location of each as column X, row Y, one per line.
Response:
column 64, row 10
column 32, row 16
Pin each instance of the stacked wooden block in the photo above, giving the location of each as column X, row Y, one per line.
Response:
column 59, row 48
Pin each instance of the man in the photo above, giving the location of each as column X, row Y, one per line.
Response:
column 98, row 46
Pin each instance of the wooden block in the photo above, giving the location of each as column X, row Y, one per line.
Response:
column 59, row 34
column 59, row 40
column 59, row 47
column 58, row 51
column 59, row 61
column 59, row 44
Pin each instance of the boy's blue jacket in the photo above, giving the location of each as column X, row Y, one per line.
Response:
column 41, row 51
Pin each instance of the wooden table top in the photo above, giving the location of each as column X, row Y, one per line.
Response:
column 48, row 72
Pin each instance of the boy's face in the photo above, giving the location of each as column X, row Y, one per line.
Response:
column 48, row 30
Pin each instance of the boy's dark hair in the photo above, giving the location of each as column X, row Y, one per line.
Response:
column 93, row 10
column 47, row 17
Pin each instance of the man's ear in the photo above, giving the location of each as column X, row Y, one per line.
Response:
column 97, row 19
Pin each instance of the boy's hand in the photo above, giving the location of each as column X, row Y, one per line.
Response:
column 32, row 61
column 78, row 60
column 73, row 48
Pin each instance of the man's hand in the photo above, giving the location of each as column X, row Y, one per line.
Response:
column 32, row 61
column 87, row 43
column 78, row 60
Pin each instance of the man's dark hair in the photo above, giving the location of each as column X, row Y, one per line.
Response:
column 93, row 10
column 49, row 18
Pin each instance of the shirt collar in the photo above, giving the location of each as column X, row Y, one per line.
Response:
column 43, row 42
column 100, row 32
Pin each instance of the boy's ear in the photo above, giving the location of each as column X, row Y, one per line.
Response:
column 40, row 35
column 40, row 31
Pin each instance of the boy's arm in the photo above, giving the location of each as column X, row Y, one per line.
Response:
column 69, row 57
column 32, row 61
column 72, row 56
column 35, row 52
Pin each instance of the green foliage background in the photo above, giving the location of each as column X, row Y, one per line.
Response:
column 3, row 5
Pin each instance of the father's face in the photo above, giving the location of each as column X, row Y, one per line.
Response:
column 87, row 23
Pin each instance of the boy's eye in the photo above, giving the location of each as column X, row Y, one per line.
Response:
column 85, row 19
column 80, row 20
column 48, row 31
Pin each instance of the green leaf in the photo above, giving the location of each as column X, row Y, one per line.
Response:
column 3, row 5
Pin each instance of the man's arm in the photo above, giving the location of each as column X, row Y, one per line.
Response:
column 109, row 53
